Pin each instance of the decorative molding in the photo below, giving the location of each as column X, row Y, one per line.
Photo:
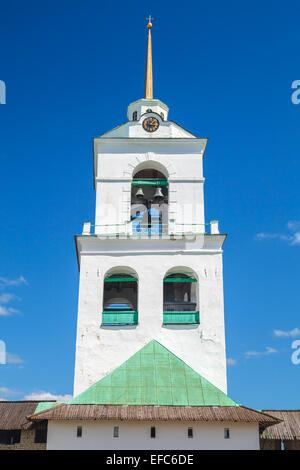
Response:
column 150, row 156
column 153, row 252
column 109, row 179
column 186, row 179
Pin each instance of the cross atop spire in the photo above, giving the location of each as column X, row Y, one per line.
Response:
column 149, row 21
column 148, row 90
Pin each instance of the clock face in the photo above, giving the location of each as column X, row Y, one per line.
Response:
column 150, row 124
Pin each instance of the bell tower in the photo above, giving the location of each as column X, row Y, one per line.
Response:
column 150, row 267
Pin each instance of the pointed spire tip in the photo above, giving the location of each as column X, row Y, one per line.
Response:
column 148, row 90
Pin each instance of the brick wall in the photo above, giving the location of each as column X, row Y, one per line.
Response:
column 26, row 442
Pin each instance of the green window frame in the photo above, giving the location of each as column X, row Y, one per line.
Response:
column 150, row 182
column 121, row 278
column 181, row 318
column 116, row 316
column 180, row 277
column 119, row 317
column 176, row 316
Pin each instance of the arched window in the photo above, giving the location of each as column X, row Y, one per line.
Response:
column 180, row 298
column 120, row 299
column 134, row 116
column 149, row 202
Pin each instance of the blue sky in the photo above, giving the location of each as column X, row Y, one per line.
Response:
column 225, row 69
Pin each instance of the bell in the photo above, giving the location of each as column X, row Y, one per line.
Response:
column 158, row 195
column 139, row 194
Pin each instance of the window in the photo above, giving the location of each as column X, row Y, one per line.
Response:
column 226, row 433
column 180, row 298
column 120, row 299
column 134, row 116
column 190, row 433
column 79, row 431
column 40, row 436
column 149, row 203
column 116, row 431
column 162, row 116
column 10, row 437
column 152, row 432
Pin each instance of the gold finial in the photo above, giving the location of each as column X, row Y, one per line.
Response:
column 149, row 25
column 148, row 90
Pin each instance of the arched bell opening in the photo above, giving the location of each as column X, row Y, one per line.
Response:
column 120, row 298
column 149, row 202
column 180, row 304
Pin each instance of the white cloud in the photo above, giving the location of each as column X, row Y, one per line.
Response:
column 7, row 311
column 7, row 391
column 4, row 282
column 291, row 239
column 13, row 359
column 267, row 352
column 291, row 333
column 263, row 235
column 42, row 395
column 293, row 225
column 296, row 239
column 231, row 362
column 6, row 298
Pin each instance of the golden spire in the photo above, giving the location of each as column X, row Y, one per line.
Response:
column 148, row 90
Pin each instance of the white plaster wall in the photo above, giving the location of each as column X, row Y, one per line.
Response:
column 136, row 435
column 141, row 106
column 115, row 165
column 118, row 158
column 99, row 350
column 135, row 129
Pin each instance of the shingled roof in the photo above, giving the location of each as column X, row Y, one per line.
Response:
column 13, row 414
column 155, row 413
column 154, row 385
column 287, row 429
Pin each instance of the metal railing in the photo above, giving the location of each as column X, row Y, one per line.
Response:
column 129, row 229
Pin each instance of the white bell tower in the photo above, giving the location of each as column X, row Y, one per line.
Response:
column 150, row 268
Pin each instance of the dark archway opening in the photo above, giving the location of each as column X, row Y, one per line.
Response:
column 149, row 202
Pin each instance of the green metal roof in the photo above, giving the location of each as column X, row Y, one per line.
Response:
column 153, row 376
column 46, row 405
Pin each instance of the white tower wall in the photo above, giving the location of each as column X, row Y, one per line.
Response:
column 99, row 350
column 118, row 155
